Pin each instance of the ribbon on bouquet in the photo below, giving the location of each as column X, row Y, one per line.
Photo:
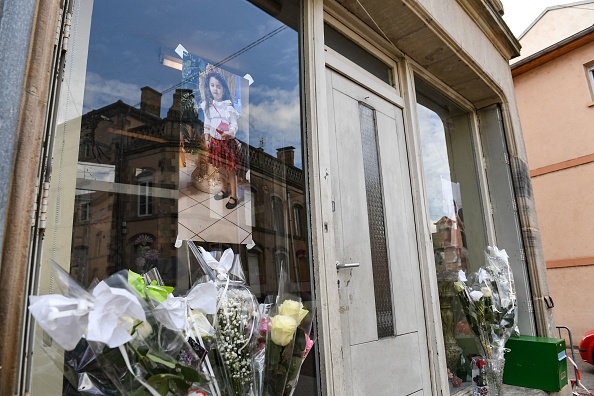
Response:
column 222, row 266
column 97, row 318
column 158, row 292
column 176, row 314
column 202, row 297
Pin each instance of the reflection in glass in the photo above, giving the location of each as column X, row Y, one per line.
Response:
column 456, row 215
column 148, row 171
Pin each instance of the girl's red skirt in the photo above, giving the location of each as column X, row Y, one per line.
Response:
column 225, row 153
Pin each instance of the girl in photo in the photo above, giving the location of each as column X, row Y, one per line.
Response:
column 220, row 127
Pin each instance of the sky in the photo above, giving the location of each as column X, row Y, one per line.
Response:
column 519, row 14
column 124, row 55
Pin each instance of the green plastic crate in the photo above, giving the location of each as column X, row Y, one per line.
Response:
column 536, row 362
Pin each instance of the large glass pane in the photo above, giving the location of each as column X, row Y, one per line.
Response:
column 456, row 214
column 179, row 120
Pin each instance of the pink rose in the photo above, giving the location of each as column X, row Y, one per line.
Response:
column 308, row 344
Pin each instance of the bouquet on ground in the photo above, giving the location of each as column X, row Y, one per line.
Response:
column 234, row 322
column 134, row 351
column 285, row 340
column 288, row 341
column 130, row 335
column 491, row 309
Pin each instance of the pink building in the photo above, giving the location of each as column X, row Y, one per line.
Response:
column 554, row 83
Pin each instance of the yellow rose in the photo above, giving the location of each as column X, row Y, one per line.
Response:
column 293, row 309
column 282, row 329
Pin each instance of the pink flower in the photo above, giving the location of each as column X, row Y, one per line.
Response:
column 308, row 344
column 263, row 328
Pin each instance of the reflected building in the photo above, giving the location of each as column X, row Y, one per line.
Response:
column 128, row 185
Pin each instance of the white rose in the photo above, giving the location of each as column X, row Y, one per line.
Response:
column 293, row 309
column 144, row 330
column 476, row 295
column 282, row 329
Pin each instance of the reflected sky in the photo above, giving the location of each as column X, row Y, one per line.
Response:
column 435, row 162
column 129, row 40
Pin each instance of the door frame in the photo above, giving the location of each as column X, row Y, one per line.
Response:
column 317, row 58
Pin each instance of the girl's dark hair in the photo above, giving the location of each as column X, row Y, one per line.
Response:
column 208, row 95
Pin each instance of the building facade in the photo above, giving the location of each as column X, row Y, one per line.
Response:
column 554, row 88
column 378, row 153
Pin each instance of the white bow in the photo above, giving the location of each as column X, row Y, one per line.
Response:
column 222, row 266
column 202, row 297
column 483, row 275
column 68, row 319
column 111, row 305
column 63, row 318
column 500, row 254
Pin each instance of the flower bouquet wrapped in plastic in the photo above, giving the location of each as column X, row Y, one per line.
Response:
column 287, row 326
column 490, row 306
column 234, row 322
column 188, row 315
column 136, row 353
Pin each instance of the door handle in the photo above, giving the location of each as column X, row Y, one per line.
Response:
column 346, row 266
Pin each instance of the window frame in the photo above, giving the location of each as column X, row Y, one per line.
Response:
column 144, row 195
column 589, row 69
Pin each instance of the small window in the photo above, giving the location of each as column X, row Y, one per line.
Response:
column 353, row 52
column 85, row 211
column 298, row 218
column 145, row 195
column 278, row 218
column 98, row 239
column 590, row 73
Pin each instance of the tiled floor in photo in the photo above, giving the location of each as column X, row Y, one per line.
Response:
column 203, row 218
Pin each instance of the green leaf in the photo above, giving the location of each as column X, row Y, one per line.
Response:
column 161, row 382
column 191, row 375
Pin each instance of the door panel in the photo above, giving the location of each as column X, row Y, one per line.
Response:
column 388, row 367
column 352, row 217
column 374, row 226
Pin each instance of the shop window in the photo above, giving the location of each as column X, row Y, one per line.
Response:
column 142, row 110
column 456, row 215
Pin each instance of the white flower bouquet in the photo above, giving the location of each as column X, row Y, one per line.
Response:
column 134, row 352
column 131, row 335
column 490, row 306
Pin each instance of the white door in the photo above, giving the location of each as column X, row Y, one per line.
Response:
column 382, row 319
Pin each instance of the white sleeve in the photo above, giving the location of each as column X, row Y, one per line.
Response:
column 207, row 128
column 233, row 116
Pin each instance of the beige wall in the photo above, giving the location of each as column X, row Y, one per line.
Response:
column 553, row 104
column 554, row 26
column 571, row 289
column 467, row 34
column 565, row 208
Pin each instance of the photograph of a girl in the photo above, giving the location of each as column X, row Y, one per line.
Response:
column 220, row 128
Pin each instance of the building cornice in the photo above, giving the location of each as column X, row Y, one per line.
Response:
column 489, row 20
column 552, row 52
